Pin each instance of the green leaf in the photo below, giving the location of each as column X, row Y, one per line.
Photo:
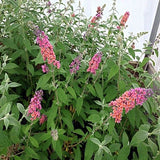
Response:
column 111, row 93
column 26, row 129
column 45, row 136
column 122, row 86
column 145, row 60
column 153, row 146
column 43, row 81
column 144, row 127
column 79, row 132
column 21, row 108
column 12, row 97
column 140, row 136
column 132, row 117
column 123, row 154
column 89, row 150
column 158, row 140
column 51, row 116
column 69, row 123
column 125, row 140
column 5, row 109
column 34, row 142
column 79, row 104
column 113, row 71
column 142, row 151
column 13, row 121
column 30, row 68
column 147, row 107
column 72, row 92
column 17, row 158
column 153, row 104
column 99, row 154
column 107, row 139
column 91, row 89
column 27, row 44
column 62, row 96
column 11, row 66
column 77, row 154
column 31, row 153
column 115, row 147
column 135, row 85
column 94, row 118
column 106, row 149
column 6, row 122
column 14, row 134
column 61, row 131
column 156, row 52
column 16, row 54
column 96, row 141
column 38, row 59
column 10, row 43
column 132, row 53
column 57, row 147
column 14, row 84
column 4, row 140
column 99, row 90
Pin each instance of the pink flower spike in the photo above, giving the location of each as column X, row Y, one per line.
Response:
column 94, row 63
column 46, row 49
column 42, row 119
column 128, row 101
column 57, row 64
column 124, row 18
column 35, row 105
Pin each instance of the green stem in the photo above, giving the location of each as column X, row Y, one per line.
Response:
column 119, row 65
column 66, row 85
column 85, row 85
column 101, row 70
column 98, row 127
column 153, row 79
column 59, row 108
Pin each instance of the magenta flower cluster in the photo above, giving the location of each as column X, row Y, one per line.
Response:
column 94, row 63
column 45, row 69
column 128, row 101
column 74, row 66
column 35, row 105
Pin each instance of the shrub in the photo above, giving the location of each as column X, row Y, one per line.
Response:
column 65, row 82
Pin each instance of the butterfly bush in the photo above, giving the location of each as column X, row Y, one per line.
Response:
column 94, row 63
column 128, row 101
column 35, row 105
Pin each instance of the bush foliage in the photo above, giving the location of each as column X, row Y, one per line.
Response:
column 61, row 74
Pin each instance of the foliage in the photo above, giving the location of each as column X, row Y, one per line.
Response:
column 75, row 121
